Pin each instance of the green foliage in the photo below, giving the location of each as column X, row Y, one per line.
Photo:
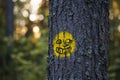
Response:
column 114, row 54
column 26, row 59
column 30, row 58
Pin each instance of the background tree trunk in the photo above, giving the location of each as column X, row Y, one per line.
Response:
column 9, row 73
column 9, row 17
column 87, row 21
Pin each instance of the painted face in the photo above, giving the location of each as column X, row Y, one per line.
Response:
column 63, row 44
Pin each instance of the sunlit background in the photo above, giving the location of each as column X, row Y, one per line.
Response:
column 23, row 48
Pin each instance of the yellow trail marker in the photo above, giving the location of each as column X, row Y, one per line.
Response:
column 63, row 44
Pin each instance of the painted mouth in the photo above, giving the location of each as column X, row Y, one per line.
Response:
column 64, row 50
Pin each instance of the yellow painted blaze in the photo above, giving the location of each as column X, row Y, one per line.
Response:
column 63, row 44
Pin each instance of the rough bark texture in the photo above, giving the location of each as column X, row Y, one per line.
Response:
column 87, row 21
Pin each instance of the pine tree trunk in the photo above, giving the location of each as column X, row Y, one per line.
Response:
column 9, row 17
column 78, row 40
column 9, row 73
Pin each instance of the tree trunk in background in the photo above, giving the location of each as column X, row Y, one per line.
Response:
column 87, row 22
column 9, row 73
column 9, row 17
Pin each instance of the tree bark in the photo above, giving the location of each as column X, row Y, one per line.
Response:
column 87, row 21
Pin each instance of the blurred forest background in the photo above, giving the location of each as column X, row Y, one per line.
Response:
column 24, row 39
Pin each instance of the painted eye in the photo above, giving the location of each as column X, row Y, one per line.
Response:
column 68, row 41
column 59, row 41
